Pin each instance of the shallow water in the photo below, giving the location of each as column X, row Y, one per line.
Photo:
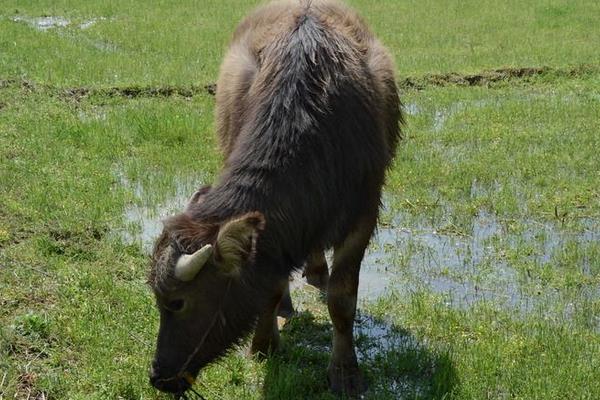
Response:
column 90, row 22
column 412, row 108
column 43, row 23
column 441, row 116
column 50, row 22
column 376, row 337
column 464, row 266
column 143, row 222
column 412, row 254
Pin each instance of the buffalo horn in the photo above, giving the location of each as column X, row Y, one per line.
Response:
column 189, row 265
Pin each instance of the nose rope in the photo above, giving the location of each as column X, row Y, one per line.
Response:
column 182, row 372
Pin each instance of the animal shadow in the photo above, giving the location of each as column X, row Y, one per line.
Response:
column 395, row 363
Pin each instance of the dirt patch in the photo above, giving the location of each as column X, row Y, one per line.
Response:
column 22, row 83
column 13, row 233
column 132, row 92
column 14, row 237
column 26, row 388
column 484, row 78
column 211, row 88
column 489, row 77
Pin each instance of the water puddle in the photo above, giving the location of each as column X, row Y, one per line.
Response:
column 463, row 265
column 90, row 22
column 379, row 342
column 47, row 22
column 412, row 109
column 415, row 256
column 104, row 46
column 143, row 222
column 375, row 337
column 43, row 23
column 92, row 115
column 380, row 345
column 441, row 116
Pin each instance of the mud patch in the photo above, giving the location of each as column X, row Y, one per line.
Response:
column 23, row 84
column 132, row 92
column 26, row 388
column 483, row 78
column 211, row 89
column 493, row 76
column 486, row 78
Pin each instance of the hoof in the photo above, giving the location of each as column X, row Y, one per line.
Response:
column 347, row 381
column 286, row 308
column 261, row 350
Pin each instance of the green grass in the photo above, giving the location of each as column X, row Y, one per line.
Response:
column 492, row 207
column 183, row 41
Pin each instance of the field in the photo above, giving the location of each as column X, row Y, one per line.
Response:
column 483, row 281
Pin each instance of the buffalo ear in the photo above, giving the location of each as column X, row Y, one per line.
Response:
column 197, row 197
column 236, row 242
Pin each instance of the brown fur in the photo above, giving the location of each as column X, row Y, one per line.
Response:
column 307, row 117
column 244, row 58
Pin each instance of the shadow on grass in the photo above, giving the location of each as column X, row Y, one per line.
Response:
column 395, row 364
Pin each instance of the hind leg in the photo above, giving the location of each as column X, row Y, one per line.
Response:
column 316, row 273
column 343, row 373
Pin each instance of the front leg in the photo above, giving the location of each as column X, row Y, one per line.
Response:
column 343, row 372
column 286, row 307
column 266, row 333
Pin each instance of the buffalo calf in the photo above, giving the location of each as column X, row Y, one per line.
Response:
column 308, row 119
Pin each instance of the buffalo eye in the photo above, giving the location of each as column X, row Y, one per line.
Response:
column 175, row 305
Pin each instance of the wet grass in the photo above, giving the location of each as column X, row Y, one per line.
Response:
column 482, row 283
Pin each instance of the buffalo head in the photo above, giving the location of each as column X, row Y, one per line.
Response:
column 203, row 293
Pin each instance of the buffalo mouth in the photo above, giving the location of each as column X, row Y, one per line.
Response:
column 176, row 385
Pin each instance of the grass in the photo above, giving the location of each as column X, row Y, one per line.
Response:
column 175, row 42
column 489, row 241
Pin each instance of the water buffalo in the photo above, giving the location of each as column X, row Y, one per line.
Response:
column 308, row 117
